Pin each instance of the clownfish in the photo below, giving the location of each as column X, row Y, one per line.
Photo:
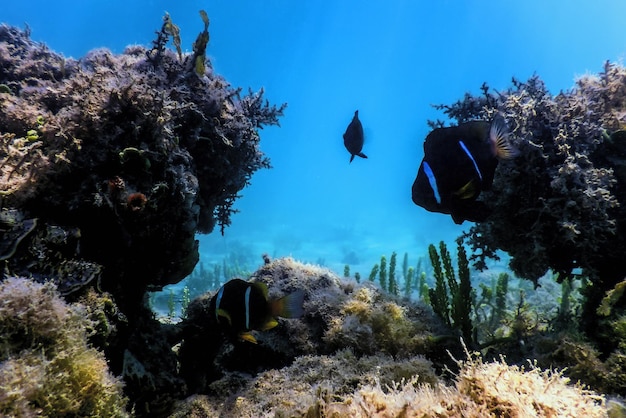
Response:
column 240, row 307
column 459, row 162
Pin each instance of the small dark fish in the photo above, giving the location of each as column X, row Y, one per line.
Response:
column 242, row 306
column 353, row 137
column 460, row 162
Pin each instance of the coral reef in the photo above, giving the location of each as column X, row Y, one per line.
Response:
column 347, row 356
column 109, row 166
column 561, row 203
column 352, row 349
column 337, row 315
column 306, row 385
column 377, row 386
column 127, row 144
column 47, row 367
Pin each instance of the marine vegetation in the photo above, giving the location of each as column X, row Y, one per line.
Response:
column 413, row 278
column 47, row 366
column 342, row 385
column 451, row 299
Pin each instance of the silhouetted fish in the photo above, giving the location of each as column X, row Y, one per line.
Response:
column 353, row 137
column 242, row 306
column 459, row 162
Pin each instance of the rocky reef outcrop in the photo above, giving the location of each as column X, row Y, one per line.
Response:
column 560, row 205
column 338, row 315
column 109, row 166
column 106, row 147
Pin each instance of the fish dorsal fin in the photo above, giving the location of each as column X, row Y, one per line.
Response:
column 499, row 139
column 262, row 287
column 468, row 191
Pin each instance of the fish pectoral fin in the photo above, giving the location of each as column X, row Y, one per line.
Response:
column 499, row 137
column 468, row 191
column 247, row 336
column 222, row 313
column 269, row 324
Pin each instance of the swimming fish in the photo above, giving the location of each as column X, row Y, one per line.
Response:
column 459, row 162
column 353, row 137
column 241, row 306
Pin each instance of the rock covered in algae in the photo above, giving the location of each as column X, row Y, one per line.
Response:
column 138, row 154
column 341, row 385
column 561, row 203
column 337, row 315
column 109, row 166
column 47, row 367
column 344, row 314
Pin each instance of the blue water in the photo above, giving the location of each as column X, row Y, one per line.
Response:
column 390, row 60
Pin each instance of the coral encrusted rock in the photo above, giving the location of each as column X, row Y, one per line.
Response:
column 109, row 167
column 135, row 154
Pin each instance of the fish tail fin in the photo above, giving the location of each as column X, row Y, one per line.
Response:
column 499, row 139
column 289, row 306
column 360, row 154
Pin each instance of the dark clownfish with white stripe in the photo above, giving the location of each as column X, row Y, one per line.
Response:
column 240, row 307
column 460, row 162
